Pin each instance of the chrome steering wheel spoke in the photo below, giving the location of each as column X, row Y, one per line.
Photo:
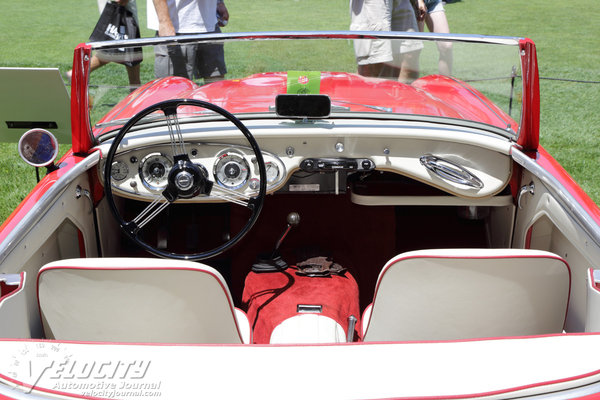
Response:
column 231, row 195
column 151, row 211
column 172, row 120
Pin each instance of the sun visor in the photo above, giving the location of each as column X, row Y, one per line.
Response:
column 33, row 98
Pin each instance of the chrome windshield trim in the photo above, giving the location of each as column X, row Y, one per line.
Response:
column 489, row 130
column 565, row 199
column 349, row 35
column 33, row 216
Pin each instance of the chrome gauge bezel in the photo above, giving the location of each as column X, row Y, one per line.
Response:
column 272, row 171
column 237, row 164
column 155, row 183
column 119, row 170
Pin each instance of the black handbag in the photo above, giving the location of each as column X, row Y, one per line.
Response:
column 117, row 23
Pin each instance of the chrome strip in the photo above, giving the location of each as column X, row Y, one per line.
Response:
column 565, row 199
column 32, row 217
column 205, row 37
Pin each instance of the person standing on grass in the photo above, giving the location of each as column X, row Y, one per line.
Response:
column 181, row 17
column 436, row 21
column 133, row 71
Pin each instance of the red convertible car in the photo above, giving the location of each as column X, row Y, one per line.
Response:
column 299, row 230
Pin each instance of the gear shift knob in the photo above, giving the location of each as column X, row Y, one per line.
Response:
column 293, row 218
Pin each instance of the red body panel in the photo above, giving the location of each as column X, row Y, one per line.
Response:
column 80, row 118
column 433, row 95
column 529, row 136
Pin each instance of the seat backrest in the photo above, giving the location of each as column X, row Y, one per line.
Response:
column 135, row 300
column 469, row 293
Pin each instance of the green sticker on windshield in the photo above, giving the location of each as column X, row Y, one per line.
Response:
column 303, row 82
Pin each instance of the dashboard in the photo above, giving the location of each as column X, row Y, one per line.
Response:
column 311, row 158
column 143, row 172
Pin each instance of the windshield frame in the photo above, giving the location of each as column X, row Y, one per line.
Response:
column 519, row 43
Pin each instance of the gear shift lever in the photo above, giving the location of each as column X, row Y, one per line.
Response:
column 274, row 262
column 293, row 219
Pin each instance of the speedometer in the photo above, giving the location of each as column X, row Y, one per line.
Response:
column 231, row 170
column 154, row 171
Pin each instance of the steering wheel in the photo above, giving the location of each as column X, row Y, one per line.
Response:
column 186, row 180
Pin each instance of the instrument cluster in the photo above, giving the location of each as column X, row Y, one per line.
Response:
column 144, row 172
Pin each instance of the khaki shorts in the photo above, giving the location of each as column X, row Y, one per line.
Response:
column 383, row 15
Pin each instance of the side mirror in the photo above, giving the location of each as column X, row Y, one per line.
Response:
column 38, row 147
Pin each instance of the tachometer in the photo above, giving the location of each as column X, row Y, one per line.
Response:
column 231, row 170
column 154, row 171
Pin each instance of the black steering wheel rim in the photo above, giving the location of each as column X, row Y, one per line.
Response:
column 254, row 204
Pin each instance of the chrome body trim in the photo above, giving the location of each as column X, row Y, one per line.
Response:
column 33, row 216
column 565, row 199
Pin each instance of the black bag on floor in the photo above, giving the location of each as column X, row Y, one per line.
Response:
column 117, row 23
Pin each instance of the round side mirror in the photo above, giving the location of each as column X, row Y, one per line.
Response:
column 38, row 147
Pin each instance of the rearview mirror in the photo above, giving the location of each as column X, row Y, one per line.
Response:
column 303, row 105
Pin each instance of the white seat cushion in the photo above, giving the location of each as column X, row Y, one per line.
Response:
column 136, row 300
column 469, row 293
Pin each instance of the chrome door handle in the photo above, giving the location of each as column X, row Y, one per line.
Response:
column 450, row 171
column 525, row 189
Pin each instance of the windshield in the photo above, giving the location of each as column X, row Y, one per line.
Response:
column 460, row 77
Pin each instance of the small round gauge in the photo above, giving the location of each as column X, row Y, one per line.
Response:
column 231, row 170
column 154, row 170
column 119, row 171
column 272, row 171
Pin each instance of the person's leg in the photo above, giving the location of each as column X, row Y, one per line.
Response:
column 96, row 63
column 409, row 71
column 172, row 60
column 371, row 70
column 437, row 22
column 133, row 74
column 210, row 61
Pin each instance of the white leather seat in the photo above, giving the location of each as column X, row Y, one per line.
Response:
column 468, row 293
column 138, row 300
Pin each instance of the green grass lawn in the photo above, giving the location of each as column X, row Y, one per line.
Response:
column 567, row 34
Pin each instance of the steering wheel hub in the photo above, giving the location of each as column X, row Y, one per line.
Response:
column 184, row 180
